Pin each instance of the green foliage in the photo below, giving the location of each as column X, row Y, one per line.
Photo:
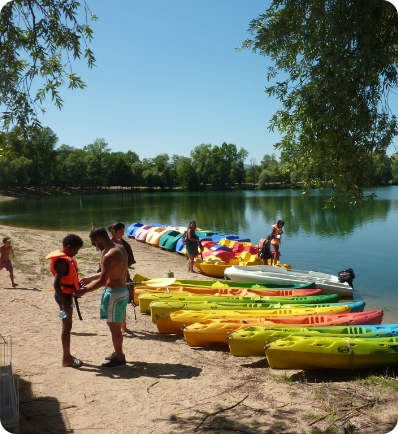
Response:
column 337, row 62
column 187, row 175
column 31, row 159
column 38, row 40
column 219, row 165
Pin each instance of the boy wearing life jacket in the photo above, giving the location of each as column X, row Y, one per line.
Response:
column 63, row 266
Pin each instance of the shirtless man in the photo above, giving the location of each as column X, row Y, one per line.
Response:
column 115, row 298
column 5, row 261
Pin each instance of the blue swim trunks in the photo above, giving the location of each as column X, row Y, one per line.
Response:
column 113, row 304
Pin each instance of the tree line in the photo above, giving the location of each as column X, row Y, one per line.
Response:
column 34, row 161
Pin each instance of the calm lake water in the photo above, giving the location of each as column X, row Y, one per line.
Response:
column 364, row 239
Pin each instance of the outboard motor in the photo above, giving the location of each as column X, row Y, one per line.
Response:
column 347, row 276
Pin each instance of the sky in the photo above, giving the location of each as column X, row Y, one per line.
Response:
column 168, row 78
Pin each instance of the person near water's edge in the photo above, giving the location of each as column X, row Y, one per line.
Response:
column 276, row 239
column 64, row 268
column 265, row 252
column 115, row 298
column 193, row 245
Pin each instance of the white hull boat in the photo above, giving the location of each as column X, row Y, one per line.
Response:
column 270, row 274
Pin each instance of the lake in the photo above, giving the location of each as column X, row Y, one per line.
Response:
column 363, row 239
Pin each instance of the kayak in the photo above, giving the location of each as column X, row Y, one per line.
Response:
column 217, row 269
column 132, row 229
column 232, row 284
column 159, row 308
column 168, row 240
column 154, row 235
column 142, row 232
column 332, row 353
column 226, row 292
column 278, row 275
column 175, row 321
column 145, row 299
column 250, row 342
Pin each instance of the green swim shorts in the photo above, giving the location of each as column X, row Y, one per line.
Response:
column 113, row 304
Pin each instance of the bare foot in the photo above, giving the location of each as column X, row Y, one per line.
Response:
column 14, row 285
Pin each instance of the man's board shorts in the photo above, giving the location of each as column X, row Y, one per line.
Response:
column 5, row 263
column 68, row 298
column 113, row 304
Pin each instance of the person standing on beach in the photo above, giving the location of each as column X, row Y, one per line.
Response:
column 5, row 262
column 115, row 298
column 117, row 231
column 192, row 245
column 64, row 268
column 276, row 239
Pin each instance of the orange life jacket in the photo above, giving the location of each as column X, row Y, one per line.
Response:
column 70, row 282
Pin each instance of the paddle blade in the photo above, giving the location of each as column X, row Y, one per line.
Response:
column 159, row 283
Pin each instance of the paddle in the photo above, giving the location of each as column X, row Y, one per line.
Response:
column 161, row 282
column 155, row 283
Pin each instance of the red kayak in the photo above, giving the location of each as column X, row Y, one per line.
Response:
column 351, row 318
column 174, row 322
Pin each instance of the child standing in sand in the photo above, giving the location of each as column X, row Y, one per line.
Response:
column 5, row 261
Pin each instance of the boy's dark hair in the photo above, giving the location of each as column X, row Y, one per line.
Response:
column 72, row 240
column 116, row 226
column 99, row 232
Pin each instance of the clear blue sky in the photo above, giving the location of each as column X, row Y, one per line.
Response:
column 168, row 78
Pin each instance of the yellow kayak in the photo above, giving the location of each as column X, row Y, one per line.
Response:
column 159, row 308
column 251, row 341
column 332, row 353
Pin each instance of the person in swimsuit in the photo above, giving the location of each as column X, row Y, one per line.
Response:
column 116, row 231
column 115, row 298
column 276, row 239
column 5, row 261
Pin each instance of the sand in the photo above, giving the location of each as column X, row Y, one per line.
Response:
column 166, row 386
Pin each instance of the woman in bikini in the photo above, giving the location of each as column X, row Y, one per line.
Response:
column 276, row 239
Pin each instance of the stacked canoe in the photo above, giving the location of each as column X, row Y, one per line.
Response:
column 294, row 328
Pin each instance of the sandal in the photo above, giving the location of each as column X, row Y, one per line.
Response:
column 112, row 356
column 114, row 362
column 76, row 363
column 129, row 334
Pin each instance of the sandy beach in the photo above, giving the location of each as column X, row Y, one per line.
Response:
column 167, row 386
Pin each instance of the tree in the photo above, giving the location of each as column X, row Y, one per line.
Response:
column 202, row 163
column 98, row 163
column 338, row 62
column 187, row 175
column 38, row 39
column 253, row 171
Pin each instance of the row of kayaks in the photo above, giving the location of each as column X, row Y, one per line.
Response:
column 294, row 328
column 234, row 258
column 170, row 238
column 220, row 250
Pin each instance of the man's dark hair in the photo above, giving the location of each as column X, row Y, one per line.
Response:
column 116, row 226
column 99, row 232
column 73, row 241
